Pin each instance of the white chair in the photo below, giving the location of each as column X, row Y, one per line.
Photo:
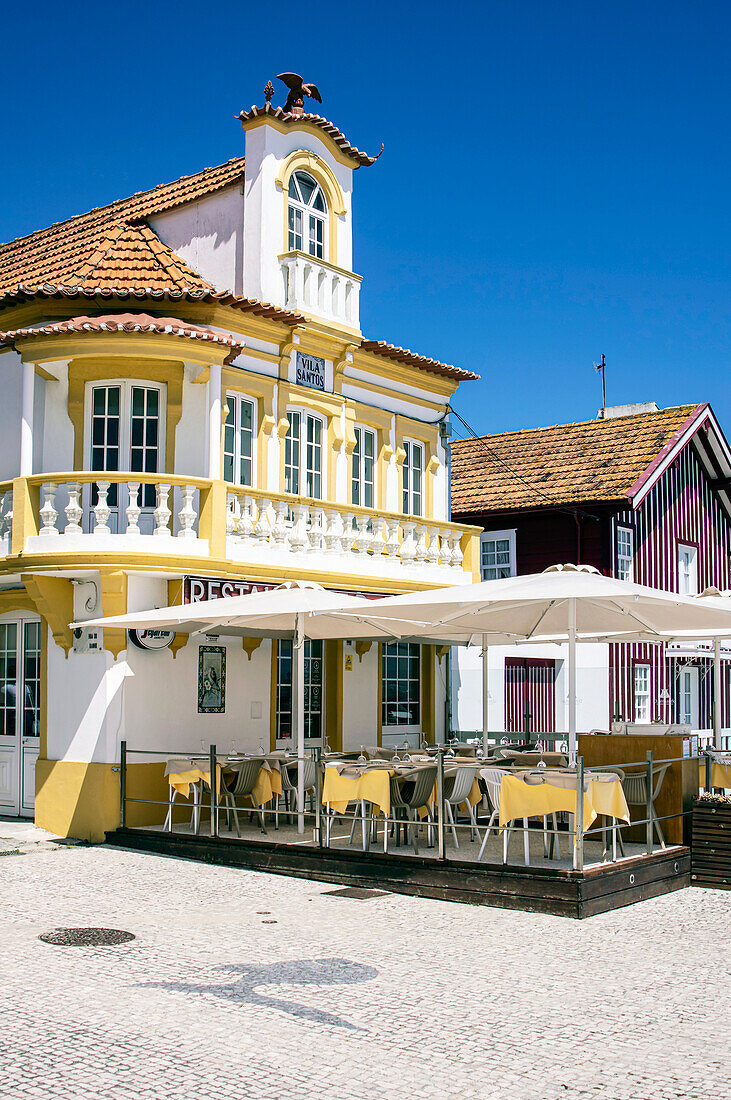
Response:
column 492, row 778
column 456, row 791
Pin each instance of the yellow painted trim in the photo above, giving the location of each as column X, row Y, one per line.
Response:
column 150, row 345
column 428, row 434
column 379, row 725
column 401, row 373
column 16, row 599
column 379, row 421
column 427, row 693
column 54, row 601
column 300, row 124
column 179, row 642
column 333, row 723
column 273, row 696
column 26, row 506
column 114, row 602
column 81, row 800
column 250, row 645
column 162, row 371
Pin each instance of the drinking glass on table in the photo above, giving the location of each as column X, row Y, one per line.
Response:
column 362, row 759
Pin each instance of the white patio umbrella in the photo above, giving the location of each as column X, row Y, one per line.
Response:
column 564, row 603
column 283, row 612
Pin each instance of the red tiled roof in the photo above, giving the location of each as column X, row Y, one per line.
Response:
column 133, row 256
column 403, row 355
column 64, row 253
column 125, row 322
column 359, row 158
column 593, row 461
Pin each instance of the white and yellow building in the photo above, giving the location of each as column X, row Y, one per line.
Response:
column 167, row 436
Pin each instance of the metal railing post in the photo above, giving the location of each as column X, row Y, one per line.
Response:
column 579, row 816
column 122, row 784
column 440, row 802
column 708, row 770
column 317, row 754
column 214, row 791
column 648, row 806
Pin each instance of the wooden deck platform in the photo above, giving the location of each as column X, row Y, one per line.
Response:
column 555, row 890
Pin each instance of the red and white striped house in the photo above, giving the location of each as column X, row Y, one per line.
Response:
column 641, row 493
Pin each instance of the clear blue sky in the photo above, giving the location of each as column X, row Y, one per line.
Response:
column 555, row 182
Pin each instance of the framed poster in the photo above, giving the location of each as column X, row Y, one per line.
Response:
column 211, row 679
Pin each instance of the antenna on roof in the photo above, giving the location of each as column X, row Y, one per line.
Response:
column 600, row 369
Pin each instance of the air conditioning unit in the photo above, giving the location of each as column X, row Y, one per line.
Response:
column 88, row 639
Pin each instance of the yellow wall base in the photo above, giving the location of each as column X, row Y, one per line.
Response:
column 82, row 800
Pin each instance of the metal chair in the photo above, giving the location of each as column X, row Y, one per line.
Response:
column 634, row 785
column 242, row 786
column 456, row 791
column 409, row 794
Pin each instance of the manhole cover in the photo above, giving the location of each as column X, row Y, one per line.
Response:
column 360, row 892
column 86, row 937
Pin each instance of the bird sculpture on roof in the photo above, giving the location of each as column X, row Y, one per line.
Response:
column 297, row 91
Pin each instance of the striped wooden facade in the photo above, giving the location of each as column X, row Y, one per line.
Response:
column 530, row 695
column 682, row 507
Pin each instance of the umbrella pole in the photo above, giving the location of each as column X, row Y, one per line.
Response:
column 485, row 698
column 717, row 693
column 572, row 681
column 298, row 704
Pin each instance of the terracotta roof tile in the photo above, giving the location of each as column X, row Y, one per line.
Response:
column 133, row 256
column 125, row 322
column 412, row 359
column 288, row 119
column 596, row 460
column 62, row 254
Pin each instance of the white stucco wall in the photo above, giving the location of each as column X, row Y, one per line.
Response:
column 208, row 235
column 11, row 371
column 264, row 207
column 360, row 699
column 592, row 685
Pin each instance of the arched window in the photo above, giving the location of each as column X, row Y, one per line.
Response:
column 306, row 215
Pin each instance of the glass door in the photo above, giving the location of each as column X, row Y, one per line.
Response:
column 125, row 433
column 313, row 693
column 20, row 670
column 689, row 697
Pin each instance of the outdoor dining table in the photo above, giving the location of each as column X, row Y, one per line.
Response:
column 186, row 775
column 539, row 793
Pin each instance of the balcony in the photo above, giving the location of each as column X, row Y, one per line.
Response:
column 166, row 515
column 313, row 286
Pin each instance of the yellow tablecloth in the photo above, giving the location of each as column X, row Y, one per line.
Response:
column 182, row 781
column 519, row 799
column 720, row 774
column 268, row 782
column 374, row 786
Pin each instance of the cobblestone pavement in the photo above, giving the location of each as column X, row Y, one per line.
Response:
column 246, row 985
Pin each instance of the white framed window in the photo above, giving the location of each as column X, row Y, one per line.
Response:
column 687, row 570
column 642, row 693
column 497, row 555
column 688, row 696
column 625, row 553
column 306, row 215
column 413, row 478
column 303, row 454
column 363, row 484
column 125, row 432
column 313, row 687
column 239, row 433
column 400, row 685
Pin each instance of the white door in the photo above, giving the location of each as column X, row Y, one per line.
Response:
column 125, row 431
column 689, row 697
column 20, row 671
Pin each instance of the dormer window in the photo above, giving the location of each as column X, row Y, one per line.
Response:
column 306, row 215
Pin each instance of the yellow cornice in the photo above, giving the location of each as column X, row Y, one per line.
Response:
column 320, row 169
column 91, row 345
column 400, row 372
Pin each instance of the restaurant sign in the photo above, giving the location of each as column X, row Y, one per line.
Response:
column 196, row 589
column 310, row 371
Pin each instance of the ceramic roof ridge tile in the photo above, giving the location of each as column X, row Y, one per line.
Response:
column 288, row 118
column 143, row 323
column 413, row 359
column 135, row 249
column 592, row 461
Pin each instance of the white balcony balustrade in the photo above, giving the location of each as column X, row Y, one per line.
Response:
column 340, row 538
column 313, row 286
column 179, row 516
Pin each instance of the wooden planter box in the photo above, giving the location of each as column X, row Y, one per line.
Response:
column 711, row 843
